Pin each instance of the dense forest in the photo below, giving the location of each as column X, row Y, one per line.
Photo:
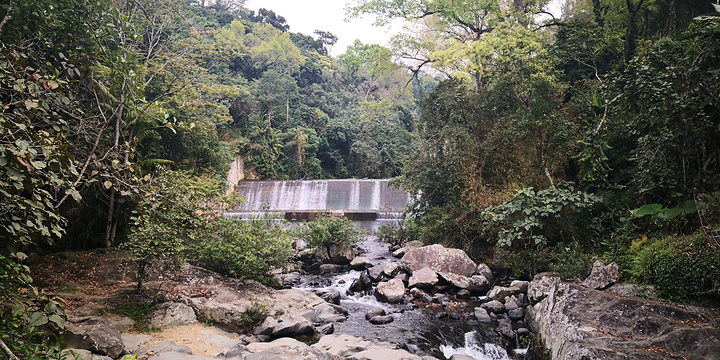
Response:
column 534, row 139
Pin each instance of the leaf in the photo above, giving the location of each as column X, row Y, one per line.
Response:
column 107, row 184
column 57, row 320
column 18, row 309
column 31, row 104
column 648, row 209
column 37, row 319
column 74, row 193
column 687, row 207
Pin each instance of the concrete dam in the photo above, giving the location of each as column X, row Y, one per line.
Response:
column 304, row 199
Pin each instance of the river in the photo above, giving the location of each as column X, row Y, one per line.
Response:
column 424, row 329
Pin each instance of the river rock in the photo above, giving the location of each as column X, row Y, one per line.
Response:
column 325, row 329
column 521, row 285
column 576, row 322
column 330, row 268
column 505, row 328
column 478, row 284
column 375, row 273
column 499, row 293
column 361, row 263
column 512, row 303
column 332, row 297
column 374, row 312
column 354, row 348
column 171, row 314
column 283, row 348
column 408, row 246
column 420, row 295
column 461, row 357
column 391, row 269
column 602, row 276
column 288, row 325
column 381, row 319
column 96, row 334
column 341, row 254
column 440, row 259
column 423, row 278
column 516, row 314
column 391, row 291
column 362, row 283
column 463, row 294
column 165, row 350
column 457, row 281
column 482, row 315
column 494, row 306
column 541, row 285
column 484, row 270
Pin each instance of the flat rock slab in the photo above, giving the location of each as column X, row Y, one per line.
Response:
column 580, row 323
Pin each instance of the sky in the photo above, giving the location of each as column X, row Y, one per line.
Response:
column 305, row 16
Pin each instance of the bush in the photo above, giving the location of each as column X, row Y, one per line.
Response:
column 680, row 267
column 328, row 231
column 243, row 250
column 254, row 315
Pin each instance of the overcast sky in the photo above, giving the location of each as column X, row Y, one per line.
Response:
column 305, row 16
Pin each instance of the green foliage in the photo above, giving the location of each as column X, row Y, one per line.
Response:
column 328, row 231
column 254, row 315
column 523, row 218
column 659, row 212
column 30, row 321
column 175, row 207
column 682, row 268
column 243, row 249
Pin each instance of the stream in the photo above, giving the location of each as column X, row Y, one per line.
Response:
column 423, row 329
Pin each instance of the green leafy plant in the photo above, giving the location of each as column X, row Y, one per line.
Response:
column 523, row 218
column 658, row 211
column 243, row 250
column 328, row 231
column 254, row 315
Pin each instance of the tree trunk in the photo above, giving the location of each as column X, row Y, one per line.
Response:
column 109, row 223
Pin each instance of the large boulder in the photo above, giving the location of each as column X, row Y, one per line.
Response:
column 541, row 285
column 602, row 276
column 171, row 314
column 576, row 322
column 353, row 348
column 96, row 334
column 423, row 278
column 484, row 270
column 391, row 269
column 499, row 293
column 408, row 246
column 283, row 348
column 440, row 259
column 391, row 291
column 288, row 325
column 360, row 263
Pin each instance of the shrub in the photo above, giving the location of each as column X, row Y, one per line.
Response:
column 254, row 315
column 243, row 250
column 328, row 231
column 680, row 267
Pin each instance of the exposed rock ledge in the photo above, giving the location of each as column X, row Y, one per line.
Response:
column 576, row 322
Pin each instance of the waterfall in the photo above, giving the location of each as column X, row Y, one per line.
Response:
column 351, row 195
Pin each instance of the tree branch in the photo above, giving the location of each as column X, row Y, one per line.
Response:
column 7, row 351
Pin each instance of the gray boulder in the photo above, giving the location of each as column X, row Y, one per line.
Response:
column 505, row 328
column 541, row 285
column 361, row 263
column 482, row 315
column 521, row 285
column 423, row 278
column 484, row 270
column 602, row 276
column 478, row 284
column 82, row 354
column 440, row 259
column 408, row 246
column 576, row 322
column 283, row 348
column 330, row 268
column 362, row 283
column 500, row 293
column 458, row 281
column 288, row 325
column 374, row 312
column 171, row 314
column 461, row 357
column 375, row 273
column 354, row 348
column 516, row 314
column 96, row 334
column 391, row 291
column 381, row 319
column 391, row 269
column 494, row 306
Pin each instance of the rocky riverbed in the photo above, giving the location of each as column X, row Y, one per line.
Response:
column 414, row 305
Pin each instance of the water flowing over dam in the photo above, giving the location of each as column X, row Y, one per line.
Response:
column 304, row 199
